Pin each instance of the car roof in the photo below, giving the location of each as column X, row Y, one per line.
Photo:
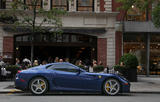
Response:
column 61, row 63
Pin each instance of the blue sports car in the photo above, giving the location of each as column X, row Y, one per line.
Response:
column 65, row 76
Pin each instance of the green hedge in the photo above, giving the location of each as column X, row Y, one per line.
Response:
column 6, row 18
column 13, row 69
column 129, row 60
column 119, row 68
column 98, row 68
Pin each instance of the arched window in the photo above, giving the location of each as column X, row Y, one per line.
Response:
column 85, row 5
column 59, row 4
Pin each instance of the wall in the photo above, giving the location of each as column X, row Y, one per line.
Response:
column 102, row 50
column 8, row 47
column 118, row 46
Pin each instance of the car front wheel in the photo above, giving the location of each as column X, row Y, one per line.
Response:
column 111, row 87
column 38, row 86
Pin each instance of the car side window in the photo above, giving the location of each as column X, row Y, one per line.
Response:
column 64, row 67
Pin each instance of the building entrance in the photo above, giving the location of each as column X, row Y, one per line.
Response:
column 70, row 46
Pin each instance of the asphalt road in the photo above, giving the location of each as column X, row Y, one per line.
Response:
column 27, row 97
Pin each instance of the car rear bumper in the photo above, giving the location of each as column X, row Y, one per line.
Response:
column 125, row 88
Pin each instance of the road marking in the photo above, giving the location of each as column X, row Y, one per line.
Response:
column 12, row 91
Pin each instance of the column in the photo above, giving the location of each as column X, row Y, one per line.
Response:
column 119, row 49
column 147, row 54
column 102, row 50
column 8, row 48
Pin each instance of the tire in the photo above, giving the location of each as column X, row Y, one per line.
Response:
column 38, row 86
column 111, row 87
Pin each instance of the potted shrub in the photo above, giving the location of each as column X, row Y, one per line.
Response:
column 83, row 67
column 130, row 63
column 119, row 68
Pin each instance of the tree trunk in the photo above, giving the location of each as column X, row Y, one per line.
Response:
column 32, row 53
column 32, row 48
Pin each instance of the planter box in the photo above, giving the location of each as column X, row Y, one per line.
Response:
column 130, row 74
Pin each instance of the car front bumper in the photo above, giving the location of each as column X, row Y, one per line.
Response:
column 21, row 84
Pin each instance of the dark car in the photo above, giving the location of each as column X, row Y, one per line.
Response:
column 64, row 76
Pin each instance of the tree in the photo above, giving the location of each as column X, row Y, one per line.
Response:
column 31, row 15
column 156, row 14
column 143, row 5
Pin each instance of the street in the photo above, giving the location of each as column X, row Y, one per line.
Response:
column 131, row 97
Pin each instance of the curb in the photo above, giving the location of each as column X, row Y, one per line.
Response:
column 147, row 92
column 19, row 91
column 11, row 91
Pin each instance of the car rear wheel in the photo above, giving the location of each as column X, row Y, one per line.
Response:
column 111, row 87
column 38, row 86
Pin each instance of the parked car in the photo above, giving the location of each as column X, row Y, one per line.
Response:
column 65, row 76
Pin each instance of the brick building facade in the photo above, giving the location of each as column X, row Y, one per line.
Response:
column 99, row 17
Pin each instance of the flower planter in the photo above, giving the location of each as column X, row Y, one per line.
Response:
column 130, row 74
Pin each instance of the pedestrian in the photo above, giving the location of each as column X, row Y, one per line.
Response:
column 26, row 62
column 44, row 62
column 56, row 59
column 35, row 63
column 94, row 63
column 17, row 62
column 3, row 69
column 106, row 69
column 80, row 63
column 1, row 62
column 90, row 69
column 50, row 59
column 60, row 60
column 66, row 59
column 100, row 63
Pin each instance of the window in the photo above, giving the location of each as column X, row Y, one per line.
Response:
column 64, row 67
column 59, row 4
column 2, row 4
column 85, row 5
column 135, row 15
column 30, row 3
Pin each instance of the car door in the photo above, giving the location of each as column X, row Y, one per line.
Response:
column 67, row 77
column 89, row 82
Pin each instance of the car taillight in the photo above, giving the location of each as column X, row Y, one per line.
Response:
column 18, row 71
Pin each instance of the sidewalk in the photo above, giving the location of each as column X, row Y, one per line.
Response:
column 8, row 87
column 144, row 85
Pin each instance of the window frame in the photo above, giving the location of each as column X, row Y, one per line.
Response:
column 57, row 66
column 135, row 14
column 77, row 6
column 67, row 5
column 41, row 4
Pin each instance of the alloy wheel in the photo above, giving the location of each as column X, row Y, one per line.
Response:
column 111, row 87
column 38, row 86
